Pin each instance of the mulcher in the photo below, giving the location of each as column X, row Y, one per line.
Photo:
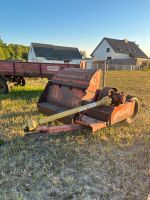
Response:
column 74, row 97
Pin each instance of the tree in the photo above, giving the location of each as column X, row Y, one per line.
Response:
column 2, row 54
column 83, row 54
column 25, row 56
column 18, row 52
column 7, row 54
column 1, row 41
column 13, row 51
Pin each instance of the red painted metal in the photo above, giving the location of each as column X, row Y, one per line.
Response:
column 122, row 112
column 32, row 69
column 112, row 114
column 115, row 114
column 71, row 88
column 54, row 130
column 91, row 123
column 67, row 89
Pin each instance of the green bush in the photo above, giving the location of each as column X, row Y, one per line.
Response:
column 1, row 141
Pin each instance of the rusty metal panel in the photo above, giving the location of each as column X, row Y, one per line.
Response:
column 31, row 69
column 67, row 90
column 65, row 96
column 122, row 112
column 53, row 68
column 101, row 113
column 54, row 130
column 92, row 123
column 6, row 67
column 34, row 69
column 69, row 87
column 50, row 109
column 77, row 78
column 112, row 114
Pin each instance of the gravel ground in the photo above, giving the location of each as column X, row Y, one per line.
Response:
column 41, row 167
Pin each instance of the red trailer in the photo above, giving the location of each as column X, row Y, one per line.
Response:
column 16, row 72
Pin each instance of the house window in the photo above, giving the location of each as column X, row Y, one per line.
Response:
column 66, row 61
column 109, row 58
column 108, row 50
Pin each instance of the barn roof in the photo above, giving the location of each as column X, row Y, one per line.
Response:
column 52, row 52
column 124, row 46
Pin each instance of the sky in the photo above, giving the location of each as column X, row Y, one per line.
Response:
column 76, row 23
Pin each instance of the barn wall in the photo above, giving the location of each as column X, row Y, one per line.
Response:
column 75, row 61
column 33, row 58
column 31, row 55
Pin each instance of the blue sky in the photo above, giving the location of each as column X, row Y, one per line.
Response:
column 78, row 23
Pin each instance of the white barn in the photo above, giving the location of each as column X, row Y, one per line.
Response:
column 114, row 49
column 47, row 53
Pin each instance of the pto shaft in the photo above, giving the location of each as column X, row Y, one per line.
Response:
column 33, row 124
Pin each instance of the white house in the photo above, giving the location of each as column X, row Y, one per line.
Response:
column 113, row 49
column 47, row 53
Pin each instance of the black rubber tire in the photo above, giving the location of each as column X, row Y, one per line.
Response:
column 3, row 87
column 19, row 81
column 23, row 82
column 136, row 109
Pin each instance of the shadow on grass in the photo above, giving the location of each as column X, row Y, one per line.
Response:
column 17, row 114
column 22, row 94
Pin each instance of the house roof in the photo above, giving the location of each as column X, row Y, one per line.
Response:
column 124, row 46
column 52, row 52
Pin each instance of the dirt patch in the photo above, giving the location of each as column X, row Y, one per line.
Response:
column 73, row 167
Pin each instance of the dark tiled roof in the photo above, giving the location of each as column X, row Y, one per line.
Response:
column 52, row 52
column 125, row 46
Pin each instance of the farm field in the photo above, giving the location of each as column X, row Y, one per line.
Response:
column 112, row 164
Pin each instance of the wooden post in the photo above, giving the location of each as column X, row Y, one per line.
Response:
column 107, row 65
column 116, row 67
column 97, row 66
column 104, row 73
column 100, row 77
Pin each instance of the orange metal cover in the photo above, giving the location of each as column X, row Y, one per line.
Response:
column 67, row 89
column 70, row 86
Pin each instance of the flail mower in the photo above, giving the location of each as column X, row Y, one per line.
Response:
column 73, row 96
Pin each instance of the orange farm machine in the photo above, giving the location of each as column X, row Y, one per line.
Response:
column 74, row 97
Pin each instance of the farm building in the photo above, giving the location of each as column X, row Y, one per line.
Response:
column 48, row 53
column 117, row 49
column 119, row 52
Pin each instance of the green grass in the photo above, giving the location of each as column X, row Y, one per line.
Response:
column 21, row 104
column 1, row 141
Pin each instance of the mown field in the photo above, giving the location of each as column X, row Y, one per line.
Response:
column 112, row 164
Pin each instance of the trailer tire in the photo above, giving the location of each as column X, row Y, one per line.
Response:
column 23, row 82
column 19, row 81
column 3, row 87
column 136, row 109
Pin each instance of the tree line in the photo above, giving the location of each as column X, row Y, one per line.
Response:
column 13, row 51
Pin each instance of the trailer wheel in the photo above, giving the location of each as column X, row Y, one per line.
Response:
column 3, row 87
column 19, row 80
column 136, row 109
column 22, row 81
